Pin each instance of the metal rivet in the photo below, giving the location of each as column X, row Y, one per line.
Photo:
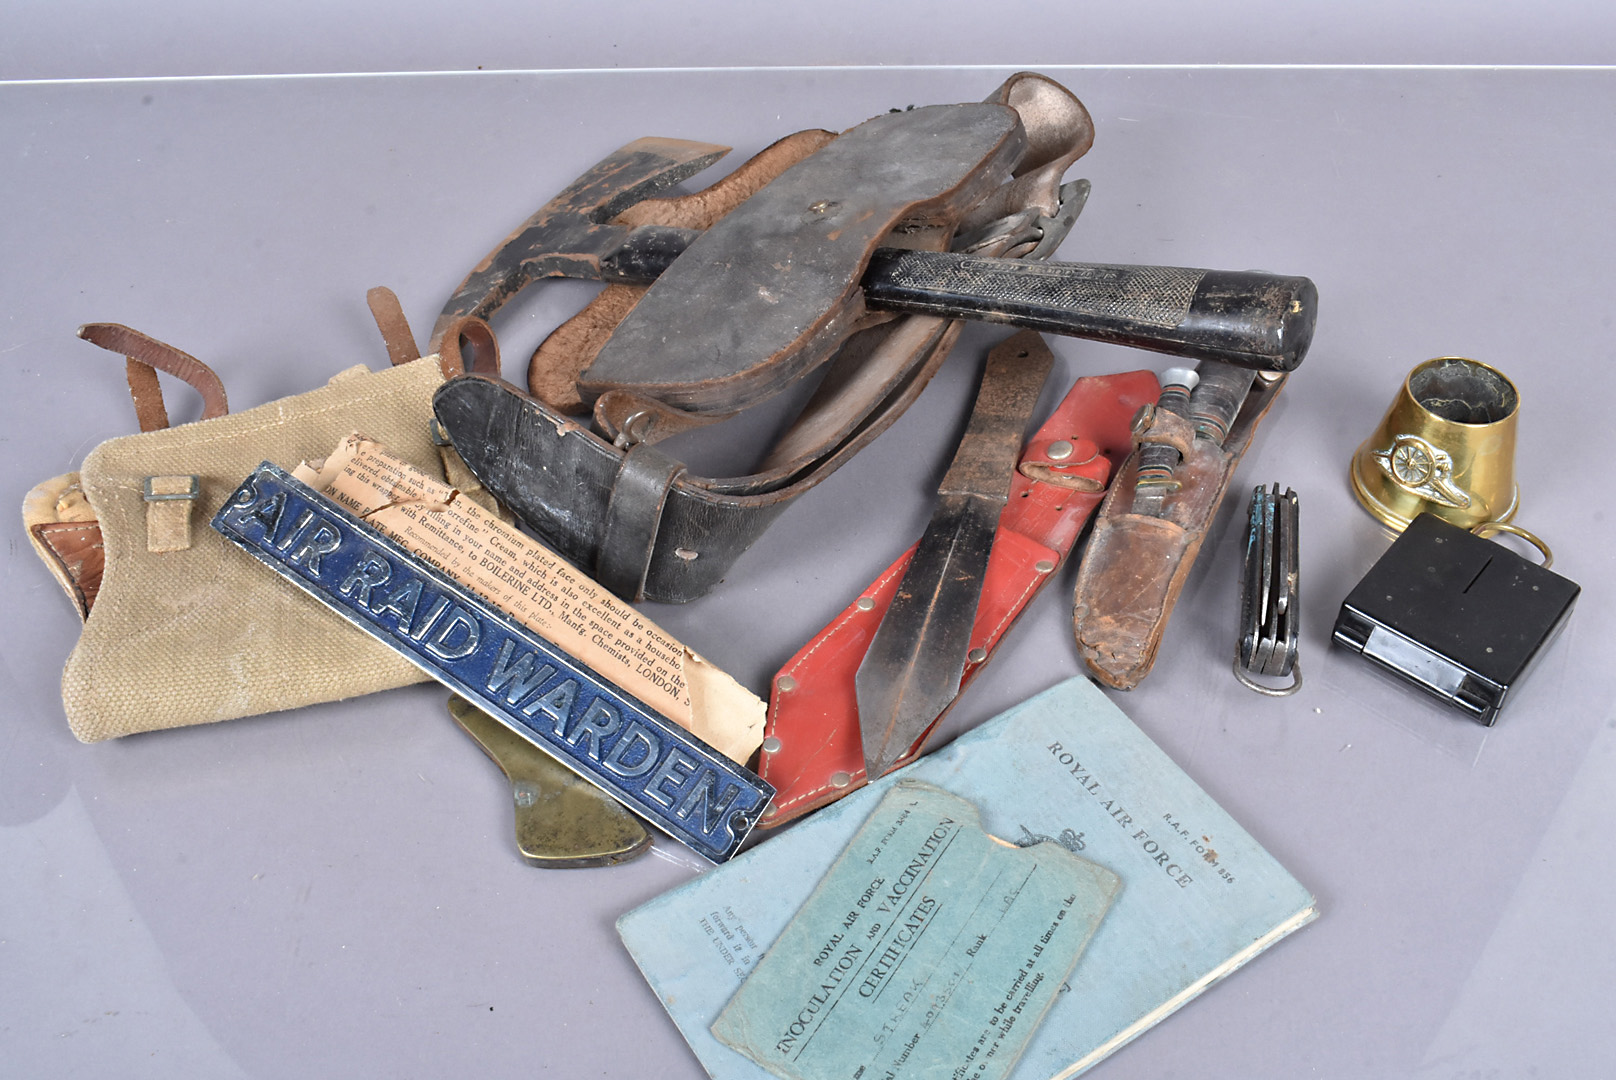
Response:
column 786, row 683
column 771, row 811
column 686, row 554
column 840, row 779
column 1043, row 566
column 771, row 745
column 866, row 604
column 1060, row 450
column 1143, row 419
column 976, row 656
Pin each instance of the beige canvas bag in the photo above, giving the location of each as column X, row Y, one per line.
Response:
column 182, row 627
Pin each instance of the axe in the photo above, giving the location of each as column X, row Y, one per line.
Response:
column 1252, row 319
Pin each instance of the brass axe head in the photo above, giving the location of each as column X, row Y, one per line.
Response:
column 572, row 235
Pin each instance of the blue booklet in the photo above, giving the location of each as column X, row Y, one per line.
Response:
column 1199, row 897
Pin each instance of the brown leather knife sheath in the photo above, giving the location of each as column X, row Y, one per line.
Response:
column 1136, row 565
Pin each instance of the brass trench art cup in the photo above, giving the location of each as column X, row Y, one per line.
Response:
column 1446, row 446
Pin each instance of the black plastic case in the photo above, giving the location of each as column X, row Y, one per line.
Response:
column 1459, row 616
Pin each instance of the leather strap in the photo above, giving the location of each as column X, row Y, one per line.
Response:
column 395, row 328
column 633, row 516
column 468, row 335
column 1166, row 428
column 150, row 356
column 147, row 394
column 468, row 342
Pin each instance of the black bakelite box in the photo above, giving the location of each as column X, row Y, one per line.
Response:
column 1459, row 616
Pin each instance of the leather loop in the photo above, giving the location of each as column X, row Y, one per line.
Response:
column 1070, row 464
column 395, row 328
column 155, row 355
column 627, row 418
column 469, row 331
column 1168, row 428
column 633, row 516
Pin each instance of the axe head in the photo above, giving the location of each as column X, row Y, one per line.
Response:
column 572, row 233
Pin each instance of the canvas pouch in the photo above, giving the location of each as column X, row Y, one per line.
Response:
column 183, row 628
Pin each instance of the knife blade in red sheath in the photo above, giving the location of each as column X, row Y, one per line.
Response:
column 813, row 753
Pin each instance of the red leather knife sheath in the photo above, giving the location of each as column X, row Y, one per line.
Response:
column 812, row 752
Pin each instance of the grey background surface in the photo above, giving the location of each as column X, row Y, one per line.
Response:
column 120, row 38
column 334, row 891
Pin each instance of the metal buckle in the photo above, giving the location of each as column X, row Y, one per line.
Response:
column 1053, row 230
column 1028, row 226
column 173, row 496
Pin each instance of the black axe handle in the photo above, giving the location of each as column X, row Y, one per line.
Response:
column 1253, row 319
